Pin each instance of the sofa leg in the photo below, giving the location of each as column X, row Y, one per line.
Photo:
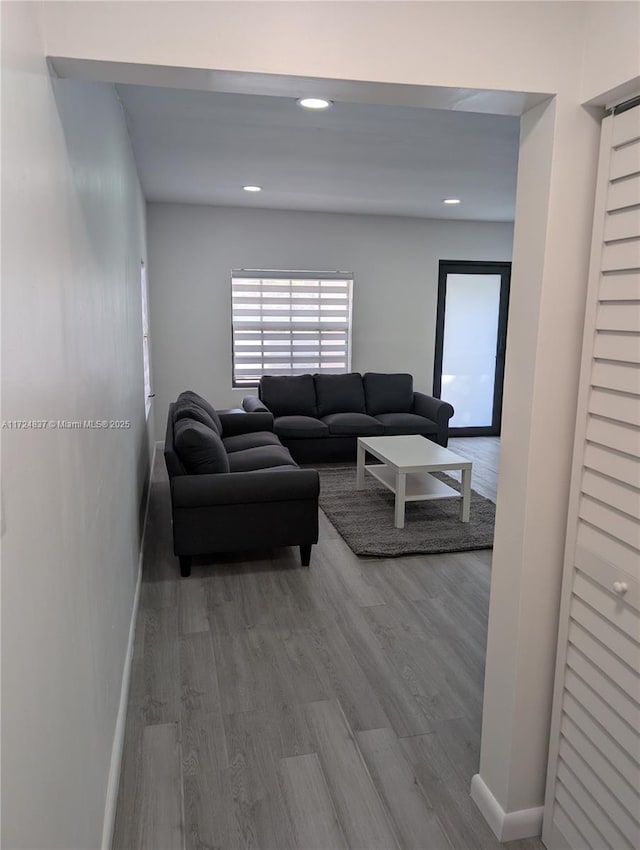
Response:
column 305, row 554
column 185, row 565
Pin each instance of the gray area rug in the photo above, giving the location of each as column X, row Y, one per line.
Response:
column 364, row 518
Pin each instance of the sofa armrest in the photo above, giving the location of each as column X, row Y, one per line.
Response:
column 241, row 422
column 252, row 404
column 236, row 488
column 432, row 408
column 437, row 411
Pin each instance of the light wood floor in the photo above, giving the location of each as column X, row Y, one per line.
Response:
column 275, row 707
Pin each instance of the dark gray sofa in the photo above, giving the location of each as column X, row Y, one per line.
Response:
column 233, row 484
column 320, row 417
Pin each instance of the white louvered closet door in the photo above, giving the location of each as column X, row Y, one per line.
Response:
column 593, row 783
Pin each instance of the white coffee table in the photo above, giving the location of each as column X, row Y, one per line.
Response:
column 406, row 464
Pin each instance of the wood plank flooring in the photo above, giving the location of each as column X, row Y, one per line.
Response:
column 277, row 707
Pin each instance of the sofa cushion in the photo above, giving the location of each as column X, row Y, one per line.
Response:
column 339, row 394
column 300, row 426
column 406, row 423
column 287, row 468
column 199, row 447
column 289, row 395
column 261, row 457
column 192, row 397
column 185, row 409
column 353, row 424
column 388, row 393
column 251, row 440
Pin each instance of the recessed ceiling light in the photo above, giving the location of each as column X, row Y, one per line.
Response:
column 451, row 200
column 314, row 102
column 252, row 188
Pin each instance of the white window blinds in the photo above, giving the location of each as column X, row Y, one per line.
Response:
column 290, row 323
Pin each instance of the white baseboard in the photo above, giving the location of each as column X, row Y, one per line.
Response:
column 113, row 781
column 507, row 826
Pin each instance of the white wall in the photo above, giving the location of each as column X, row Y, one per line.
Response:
column 192, row 250
column 536, row 47
column 497, row 44
column 73, row 235
column 611, row 62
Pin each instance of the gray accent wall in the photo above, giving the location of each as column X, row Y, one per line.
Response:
column 192, row 250
column 73, row 236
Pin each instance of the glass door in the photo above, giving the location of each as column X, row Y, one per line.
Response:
column 471, row 331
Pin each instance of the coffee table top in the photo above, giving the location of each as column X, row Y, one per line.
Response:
column 412, row 452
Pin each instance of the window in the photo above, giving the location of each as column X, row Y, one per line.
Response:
column 290, row 323
column 145, row 341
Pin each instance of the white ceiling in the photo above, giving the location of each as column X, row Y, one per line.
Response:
column 202, row 147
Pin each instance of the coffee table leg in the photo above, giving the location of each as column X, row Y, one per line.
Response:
column 465, row 504
column 401, row 490
column 360, row 467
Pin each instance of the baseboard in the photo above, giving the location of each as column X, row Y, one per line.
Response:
column 113, row 780
column 507, row 826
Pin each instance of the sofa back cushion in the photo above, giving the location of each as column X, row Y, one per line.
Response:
column 171, row 459
column 388, row 393
column 189, row 397
column 184, row 409
column 289, row 395
column 200, row 449
column 339, row 393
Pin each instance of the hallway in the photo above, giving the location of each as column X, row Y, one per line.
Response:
column 273, row 706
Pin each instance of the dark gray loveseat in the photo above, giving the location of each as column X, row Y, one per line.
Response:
column 320, row 417
column 233, row 484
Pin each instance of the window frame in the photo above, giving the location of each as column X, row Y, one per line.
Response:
column 146, row 341
column 297, row 275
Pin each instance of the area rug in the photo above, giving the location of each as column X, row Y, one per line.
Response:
column 364, row 518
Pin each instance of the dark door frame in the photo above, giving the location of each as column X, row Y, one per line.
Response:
column 447, row 267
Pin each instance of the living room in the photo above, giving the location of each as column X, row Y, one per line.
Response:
column 81, row 359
